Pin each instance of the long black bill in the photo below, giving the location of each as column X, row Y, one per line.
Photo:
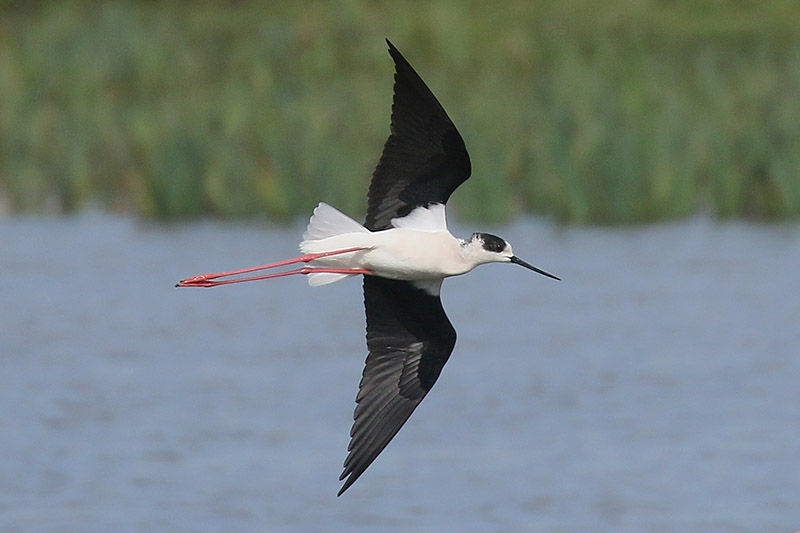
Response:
column 517, row 261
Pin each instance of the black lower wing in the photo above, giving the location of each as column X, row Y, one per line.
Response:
column 409, row 339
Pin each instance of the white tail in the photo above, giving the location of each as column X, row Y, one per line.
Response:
column 315, row 279
column 327, row 222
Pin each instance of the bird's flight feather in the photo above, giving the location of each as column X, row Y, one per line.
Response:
column 424, row 159
column 409, row 336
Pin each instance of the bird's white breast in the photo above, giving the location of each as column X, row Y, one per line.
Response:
column 417, row 247
column 395, row 253
column 414, row 255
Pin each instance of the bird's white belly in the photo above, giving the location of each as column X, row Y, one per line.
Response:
column 396, row 253
column 415, row 255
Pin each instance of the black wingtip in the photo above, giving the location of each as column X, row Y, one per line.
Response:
column 400, row 61
column 393, row 51
column 349, row 475
column 346, row 486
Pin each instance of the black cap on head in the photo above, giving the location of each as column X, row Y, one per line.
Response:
column 492, row 243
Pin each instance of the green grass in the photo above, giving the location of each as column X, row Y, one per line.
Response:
column 616, row 111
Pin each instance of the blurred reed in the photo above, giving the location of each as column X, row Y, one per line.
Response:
column 616, row 111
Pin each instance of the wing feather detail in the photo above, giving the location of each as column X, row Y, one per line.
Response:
column 410, row 339
column 424, row 159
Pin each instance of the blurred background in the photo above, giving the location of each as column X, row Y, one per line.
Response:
column 594, row 112
column 645, row 151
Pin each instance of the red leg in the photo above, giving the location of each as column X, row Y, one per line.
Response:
column 204, row 280
column 304, row 270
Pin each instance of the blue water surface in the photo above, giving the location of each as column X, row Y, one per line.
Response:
column 656, row 388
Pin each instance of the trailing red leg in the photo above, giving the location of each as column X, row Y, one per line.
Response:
column 206, row 280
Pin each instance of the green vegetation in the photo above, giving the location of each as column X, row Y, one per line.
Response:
column 606, row 111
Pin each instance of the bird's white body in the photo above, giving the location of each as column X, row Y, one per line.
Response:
column 418, row 247
column 404, row 250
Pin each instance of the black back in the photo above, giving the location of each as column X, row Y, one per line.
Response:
column 423, row 161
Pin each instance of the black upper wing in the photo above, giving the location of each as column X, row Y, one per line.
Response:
column 424, row 159
column 409, row 339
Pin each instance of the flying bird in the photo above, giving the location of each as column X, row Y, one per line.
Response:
column 404, row 251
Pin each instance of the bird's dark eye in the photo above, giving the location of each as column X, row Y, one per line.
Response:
column 492, row 243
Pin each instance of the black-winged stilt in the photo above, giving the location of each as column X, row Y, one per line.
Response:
column 404, row 251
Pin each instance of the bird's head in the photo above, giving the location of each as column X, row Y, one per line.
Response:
column 487, row 248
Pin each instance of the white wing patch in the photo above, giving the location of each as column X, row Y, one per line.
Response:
column 430, row 218
column 328, row 221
